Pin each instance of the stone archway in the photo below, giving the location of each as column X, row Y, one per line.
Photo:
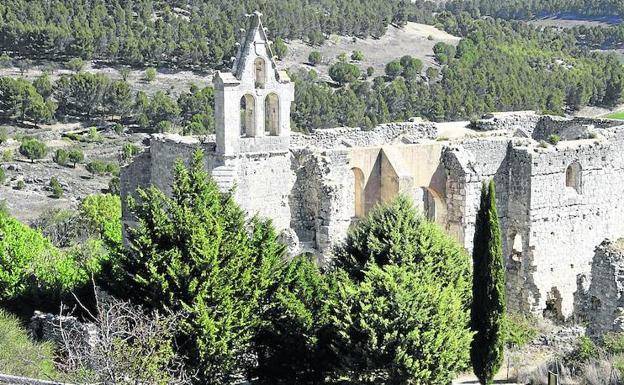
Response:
column 271, row 114
column 247, row 115
column 259, row 72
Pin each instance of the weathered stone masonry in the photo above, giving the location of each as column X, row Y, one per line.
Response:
column 556, row 202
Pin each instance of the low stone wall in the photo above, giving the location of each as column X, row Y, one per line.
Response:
column 512, row 121
column 356, row 137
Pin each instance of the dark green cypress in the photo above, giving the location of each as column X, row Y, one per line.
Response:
column 488, row 290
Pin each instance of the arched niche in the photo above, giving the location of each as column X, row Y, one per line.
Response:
column 260, row 72
column 360, row 197
column 247, row 115
column 271, row 114
column 574, row 177
column 432, row 205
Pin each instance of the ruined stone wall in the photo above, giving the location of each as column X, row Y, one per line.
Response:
column 567, row 223
column 322, row 201
column 525, row 121
column 357, row 137
column 522, row 293
column 601, row 304
column 264, row 183
column 486, row 159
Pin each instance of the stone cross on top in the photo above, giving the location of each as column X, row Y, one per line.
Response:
column 253, row 100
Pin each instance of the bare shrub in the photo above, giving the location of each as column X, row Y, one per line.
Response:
column 125, row 345
column 600, row 371
column 539, row 375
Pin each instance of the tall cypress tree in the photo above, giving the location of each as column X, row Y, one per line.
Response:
column 488, row 290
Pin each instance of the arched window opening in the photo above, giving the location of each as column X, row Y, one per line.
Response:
column 573, row 177
column 271, row 115
column 360, row 199
column 260, row 72
column 247, row 115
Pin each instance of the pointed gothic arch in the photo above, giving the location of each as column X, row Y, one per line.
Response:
column 247, row 115
column 271, row 114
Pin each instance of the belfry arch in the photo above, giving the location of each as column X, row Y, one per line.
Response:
column 247, row 115
column 271, row 114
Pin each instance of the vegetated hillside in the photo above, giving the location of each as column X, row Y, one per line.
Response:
column 498, row 66
column 184, row 32
column 528, row 9
column 413, row 39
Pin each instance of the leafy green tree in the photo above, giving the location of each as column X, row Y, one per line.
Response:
column 196, row 252
column 279, row 48
column 402, row 276
column 150, row 74
column 344, row 72
column 488, row 290
column 55, row 186
column 20, row 355
column 100, row 167
column 128, row 151
column 397, row 234
column 44, row 85
column 292, row 341
column 394, row 69
column 315, row 58
column 61, row 156
column 101, row 213
column 32, row 271
column 162, row 108
column 75, row 64
column 118, row 99
column 81, row 94
column 33, row 149
column 197, row 110
column 357, row 55
column 75, row 155
column 21, row 101
column 443, row 52
column 411, row 67
column 399, row 326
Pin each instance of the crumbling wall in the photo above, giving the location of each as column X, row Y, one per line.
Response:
column 522, row 295
column 264, row 182
column 322, row 199
column 356, row 137
column 567, row 223
column 569, row 128
column 525, row 121
column 601, row 305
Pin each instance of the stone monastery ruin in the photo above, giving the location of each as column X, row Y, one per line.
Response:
column 556, row 203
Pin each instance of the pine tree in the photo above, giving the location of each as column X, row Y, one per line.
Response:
column 196, row 253
column 488, row 290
